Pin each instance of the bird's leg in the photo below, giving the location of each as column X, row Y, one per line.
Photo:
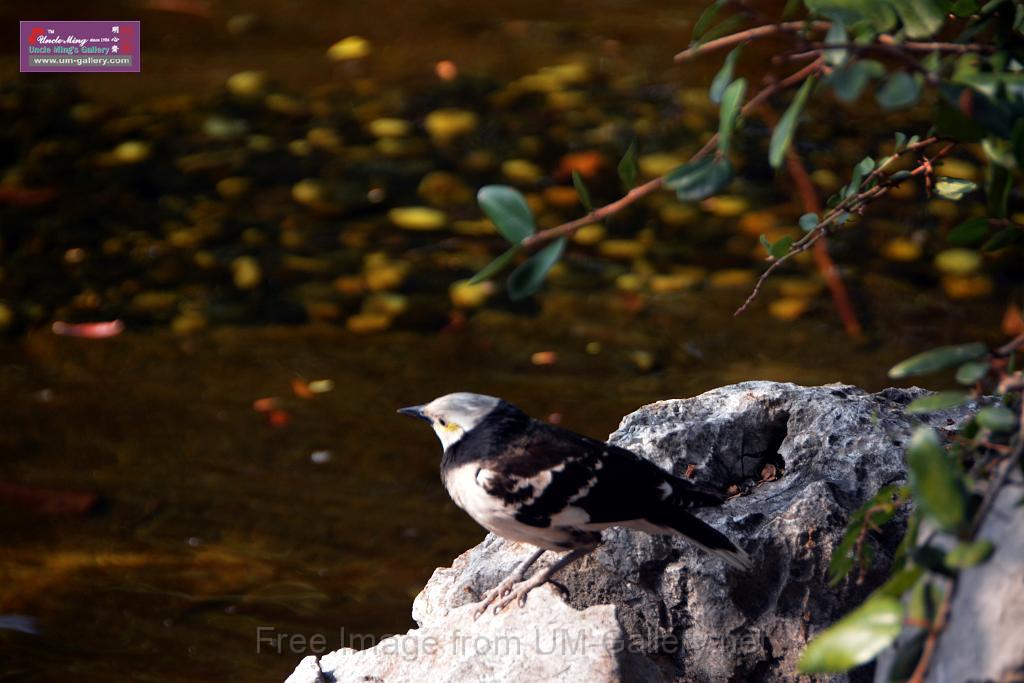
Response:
column 540, row 578
column 505, row 587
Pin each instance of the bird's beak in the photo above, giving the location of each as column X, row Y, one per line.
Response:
column 414, row 411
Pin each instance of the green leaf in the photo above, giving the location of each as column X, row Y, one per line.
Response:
column 953, row 188
column 966, row 555
column 1003, row 238
column 964, row 8
column 921, row 18
column 582, row 191
column 937, row 359
column 627, row 166
column 779, row 249
column 997, row 418
column 697, row 180
column 878, row 510
column 528, row 277
column 724, row 76
column 782, row 136
column 969, row 373
column 969, row 233
column 706, row 17
column 727, row 26
column 901, row 140
column 836, row 36
column 943, row 400
column 809, row 221
column 495, row 266
column 899, row 91
column 925, row 599
column 855, row 639
column 998, row 183
column 848, row 82
column 508, row 210
column 900, row 582
column 862, row 169
column 876, row 12
column 934, row 481
column 731, row 102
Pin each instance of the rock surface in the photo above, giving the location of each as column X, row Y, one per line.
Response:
column 984, row 639
column 804, row 458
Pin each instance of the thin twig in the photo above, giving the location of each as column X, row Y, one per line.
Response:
column 853, row 204
column 750, row 34
column 544, row 236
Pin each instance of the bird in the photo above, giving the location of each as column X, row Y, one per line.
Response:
column 536, row 483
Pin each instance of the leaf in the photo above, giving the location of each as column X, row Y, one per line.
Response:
column 856, row 638
column 998, row 183
column 900, row 582
column 997, row 418
column 528, row 277
column 697, row 180
column 969, row 373
column 809, row 221
column 964, row 8
column 878, row 510
column 836, row 36
column 724, row 76
column 969, row 233
column 921, row 18
column 953, row 188
column 925, row 599
column 934, row 482
column 899, row 91
column 862, row 169
column 779, row 249
column 495, row 266
column 966, row 555
column 782, row 136
column 582, row 191
column 901, row 139
column 1003, row 238
column 943, row 400
column 627, row 166
column 937, row 359
column 727, row 26
column 876, row 12
column 706, row 17
column 731, row 101
column 508, row 210
column 848, row 82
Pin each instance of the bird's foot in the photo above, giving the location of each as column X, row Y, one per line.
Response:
column 519, row 592
column 496, row 593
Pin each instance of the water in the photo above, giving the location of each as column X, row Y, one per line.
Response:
column 214, row 534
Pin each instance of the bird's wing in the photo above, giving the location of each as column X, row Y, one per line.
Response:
column 548, row 470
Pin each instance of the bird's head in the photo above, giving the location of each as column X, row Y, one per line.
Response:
column 452, row 415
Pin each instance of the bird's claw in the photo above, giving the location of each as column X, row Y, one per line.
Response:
column 496, row 593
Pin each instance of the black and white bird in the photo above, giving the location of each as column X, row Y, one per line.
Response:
column 531, row 482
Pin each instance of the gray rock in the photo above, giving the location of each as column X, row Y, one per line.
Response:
column 679, row 614
column 984, row 639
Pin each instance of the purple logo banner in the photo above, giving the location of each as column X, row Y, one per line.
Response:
column 80, row 46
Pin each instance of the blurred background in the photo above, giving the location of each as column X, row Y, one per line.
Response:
column 221, row 276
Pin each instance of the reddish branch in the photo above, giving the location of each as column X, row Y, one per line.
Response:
column 650, row 186
column 750, row 34
column 826, row 265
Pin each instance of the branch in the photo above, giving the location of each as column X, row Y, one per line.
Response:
column 750, row 34
column 853, row 204
column 544, row 236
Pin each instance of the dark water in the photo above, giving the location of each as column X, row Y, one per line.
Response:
column 210, row 524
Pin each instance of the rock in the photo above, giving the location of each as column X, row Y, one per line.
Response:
column 670, row 611
column 983, row 639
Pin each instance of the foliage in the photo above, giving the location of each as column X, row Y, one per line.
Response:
column 966, row 56
column 945, row 474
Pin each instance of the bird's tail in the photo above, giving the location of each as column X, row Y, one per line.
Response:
column 673, row 519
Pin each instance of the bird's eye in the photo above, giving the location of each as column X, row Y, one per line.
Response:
column 443, row 423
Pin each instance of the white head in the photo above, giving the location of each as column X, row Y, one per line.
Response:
column 452, row 415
